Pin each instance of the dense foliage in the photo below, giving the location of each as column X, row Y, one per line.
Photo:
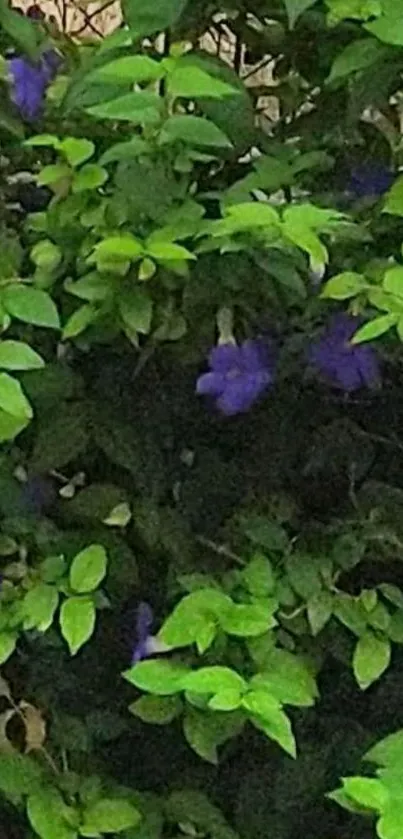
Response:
column 201, row 468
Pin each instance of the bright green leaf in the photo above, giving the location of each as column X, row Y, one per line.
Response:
column 8, row 641
column 39, row 607
column 79, row 321
column 88, row 569
column 196, row 131
column 109, row 815
column 47, row 813
column 12, row 399
column 163, row 678
column 76, row 150
column 15, row 355
column 374, row 328
column 267, row 715
column 31, row 305
column 319, row 609
column 77, row 621
column 344, row 286
column 368, row 792
column 371, row 658
column 129, row 68
column 90, row 176
column 213, row 680
column 138, row 107
column 248, row 620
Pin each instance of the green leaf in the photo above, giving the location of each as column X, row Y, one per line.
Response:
column 265, row 533
column 374, row 328
column 350, row 611
column 259, row 576
column 46, row 255
column 19, row 775
column 136, row 310
column 23, row 31
column 128, row 150
column 12, row 399
column 393, row 203
column 132, row 69
column 196, row 131
column 320, row 610
column 109, row 815
column 144, row 19
column 390, row 825
column 8, row 641
column 191, row 82
column 392, row 593
column 77, row 621
column 39, row 607
column 393, row 281
column 88, row 569
column 31, row 305
column 246, row 620
column 368, row 792
column 139, row 107
column 47, row 813
column 213, row 680
column 226, row 700
column 159, row 710
column 76, row 150
column 53, row 174
column 295, row 9
column 194, row 615
column 206, row 731
column 287, row 678
column 388, row 28
column 267, row 715
column 357, row 56
column 389, row 751
column 79, row 321
column 371, row 658
column 163, row 678
column 90, row 176
column 246, row 216
column 124, row 247
column 165, row 251
column 92, row 287
column 11, row 426
column 344, row 286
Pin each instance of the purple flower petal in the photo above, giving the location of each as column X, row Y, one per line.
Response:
column 144, row 620
column 225, row 358
column 344, row 364
column 369, row 366
column 210, row 384
column 241, row 393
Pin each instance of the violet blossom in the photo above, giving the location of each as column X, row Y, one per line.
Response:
column 29, row 82
column 370, row 179
column 146, row 644
column 238, row 375
column 345, row 365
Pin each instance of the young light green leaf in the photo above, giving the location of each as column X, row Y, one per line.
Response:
column 30, row 305
column 88, row 569
column 39, row 607
column 8, row 641
column 213, row 680
column 159, row 710
column 124, row 246
column 109, row 815
column 46, row 255
column 53, row 174
column 79, row 321
column 15, row 355
column 139, row 107
column 92, row 287
column 343, row 286
column 12, row 399
column 374, row 328
column 165, row 251
column 394, row 199
column 287, row 678
column 76, row 150
column 164, row 678
column 191, row 82
column 47, row 813
column 393, row 281
column 90, row 176
column 129, row 68
column 368, row 792
column 226, row 700
column 267, row 715
column 371, row 658
column 11, row 426
column 196, row 131
column 77, row 621
column 248, row 620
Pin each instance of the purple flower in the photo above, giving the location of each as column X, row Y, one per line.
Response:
column 370, row 180
column 238, row 376
column 29, row 82
column 346, row 365
column 146, row 644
